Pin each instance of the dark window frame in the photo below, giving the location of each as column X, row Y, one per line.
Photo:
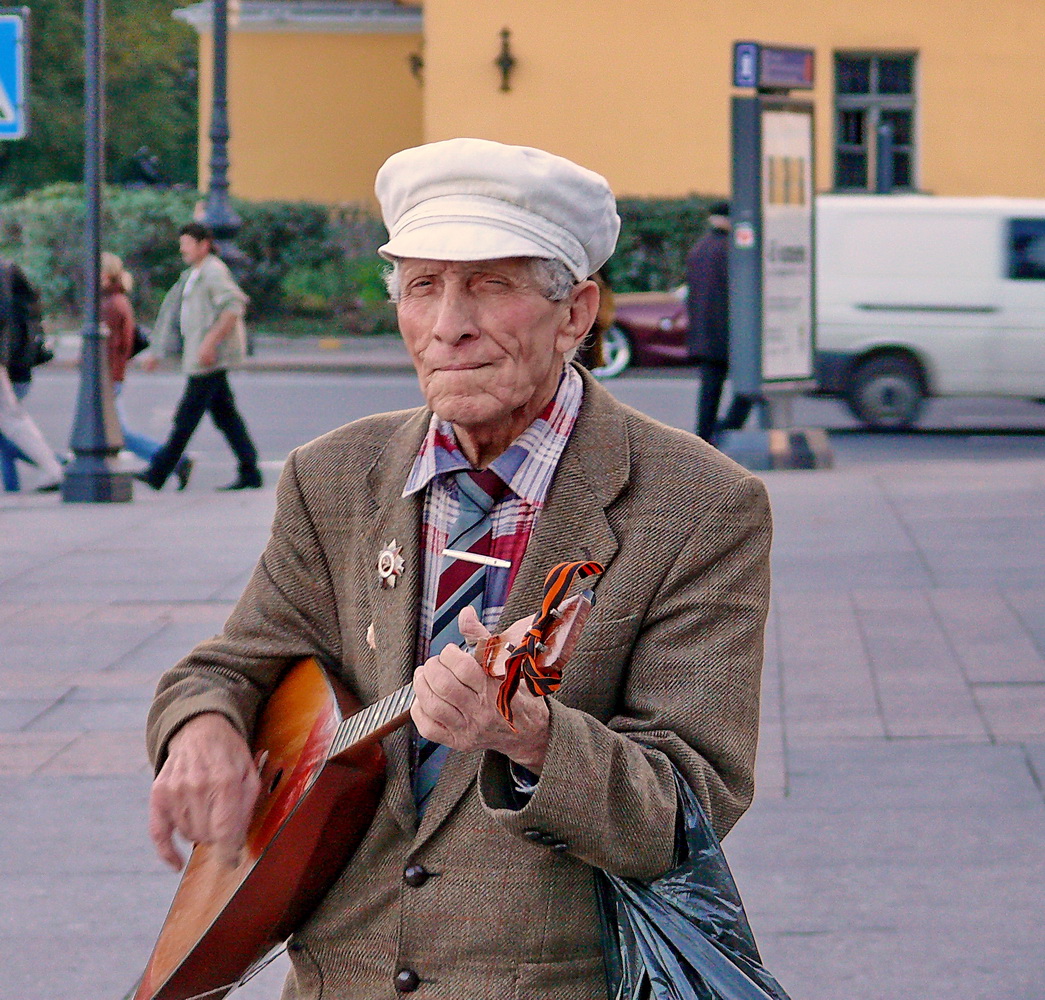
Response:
column 1020, row 265
column 871, row 105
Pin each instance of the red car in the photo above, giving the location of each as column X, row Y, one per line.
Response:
column 649, row 329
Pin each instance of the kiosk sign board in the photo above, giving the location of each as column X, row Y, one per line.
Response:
column 771, row 261
column 787, row 241
column 772, row 318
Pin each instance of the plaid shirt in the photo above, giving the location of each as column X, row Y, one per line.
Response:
column 527, row 467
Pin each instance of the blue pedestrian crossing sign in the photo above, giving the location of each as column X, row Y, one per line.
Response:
column 14, row 62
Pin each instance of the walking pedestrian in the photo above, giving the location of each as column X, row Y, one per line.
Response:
column 707, row 275
column 117, row 314
column 21, row 344
column 202, row 316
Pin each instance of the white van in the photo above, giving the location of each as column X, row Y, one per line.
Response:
column 921, row 296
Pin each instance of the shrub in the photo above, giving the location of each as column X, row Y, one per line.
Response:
column 280, row 237
column 655, row 236
column 303, row 257
column 43, row 231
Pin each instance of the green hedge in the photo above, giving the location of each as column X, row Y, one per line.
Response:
column 43, row 231
column 305, row 259
column 655, row 236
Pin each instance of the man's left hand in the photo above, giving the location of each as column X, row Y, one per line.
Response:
column 456, row 705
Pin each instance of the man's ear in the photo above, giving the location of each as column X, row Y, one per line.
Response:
column 583, row 308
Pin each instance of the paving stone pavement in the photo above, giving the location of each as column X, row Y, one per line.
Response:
column 895, row 848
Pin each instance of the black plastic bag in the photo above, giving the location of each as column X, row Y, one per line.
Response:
column 684, row 936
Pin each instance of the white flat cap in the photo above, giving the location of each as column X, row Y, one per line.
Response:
column 472, row 199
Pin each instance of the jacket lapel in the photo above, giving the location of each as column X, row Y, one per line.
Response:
column 573, row 525
column 395, row 609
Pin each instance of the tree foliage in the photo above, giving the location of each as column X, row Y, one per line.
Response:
column 150, row 94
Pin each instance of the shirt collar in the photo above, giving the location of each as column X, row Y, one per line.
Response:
column 528, row 463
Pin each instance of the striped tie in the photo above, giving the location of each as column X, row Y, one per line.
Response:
column 461, row 583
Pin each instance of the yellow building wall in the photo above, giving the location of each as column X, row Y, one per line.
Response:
column 640, row 91
column 313, row 115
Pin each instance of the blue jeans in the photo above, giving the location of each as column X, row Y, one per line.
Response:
column 144, row 447
column 10, row 453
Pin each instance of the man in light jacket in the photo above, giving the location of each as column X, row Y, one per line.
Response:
column 202, row 316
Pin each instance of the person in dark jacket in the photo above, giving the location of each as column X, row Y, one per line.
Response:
column 707, row 275
column 20, row 349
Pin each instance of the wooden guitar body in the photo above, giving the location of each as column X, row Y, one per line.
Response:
column 311, row 815
column 322, row 774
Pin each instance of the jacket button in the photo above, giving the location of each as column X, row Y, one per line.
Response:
column 406, row 981
column 537, row 836
column 549, row 839
column 415, row 875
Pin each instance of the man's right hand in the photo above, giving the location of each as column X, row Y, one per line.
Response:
column 205, row 790
column 150, row 362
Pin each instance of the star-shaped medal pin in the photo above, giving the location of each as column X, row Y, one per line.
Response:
column 390, row 564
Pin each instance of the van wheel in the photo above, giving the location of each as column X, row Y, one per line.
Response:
column 886, row 392
column 616, row 349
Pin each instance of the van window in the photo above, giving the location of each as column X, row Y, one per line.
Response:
column 1027, row 249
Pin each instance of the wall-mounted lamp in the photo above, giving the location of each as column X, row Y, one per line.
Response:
column 505, row 62
column 416, row 62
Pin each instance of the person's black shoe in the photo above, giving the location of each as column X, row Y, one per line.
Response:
column 49, row 487
column 182, row 471
column 250, row 480
column 143, row 477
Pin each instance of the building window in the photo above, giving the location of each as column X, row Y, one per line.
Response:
column 872, row 90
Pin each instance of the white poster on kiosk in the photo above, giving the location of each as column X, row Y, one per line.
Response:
column 787, row 244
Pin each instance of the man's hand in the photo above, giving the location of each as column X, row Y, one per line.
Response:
column 205, row 790
column 208, row 354
column 150, row 362
column 225, row 324
column 456, row 704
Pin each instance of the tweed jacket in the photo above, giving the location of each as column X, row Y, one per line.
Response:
column 666, row 674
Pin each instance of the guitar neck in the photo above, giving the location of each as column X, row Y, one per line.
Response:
column 373, row 722
column 385, row 716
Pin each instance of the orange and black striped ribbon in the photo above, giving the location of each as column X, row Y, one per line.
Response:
column 524, row 662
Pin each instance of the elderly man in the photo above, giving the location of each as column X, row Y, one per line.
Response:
column 475, row 876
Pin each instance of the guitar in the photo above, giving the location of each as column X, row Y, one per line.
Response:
column 322, row 773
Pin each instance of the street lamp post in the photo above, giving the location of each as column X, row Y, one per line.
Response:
column 219, row 213
column 93, row 475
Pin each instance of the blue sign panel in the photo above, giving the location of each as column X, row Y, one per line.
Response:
column 14, row 121
column 767, row 67
column 786, row 69
column 745, row 64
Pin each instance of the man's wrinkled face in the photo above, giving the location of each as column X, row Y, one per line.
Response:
column 487, row 345
column 193, row 250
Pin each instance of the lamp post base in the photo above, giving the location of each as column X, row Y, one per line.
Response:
column 96, row 479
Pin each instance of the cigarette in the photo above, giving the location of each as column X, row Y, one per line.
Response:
column 476, row 558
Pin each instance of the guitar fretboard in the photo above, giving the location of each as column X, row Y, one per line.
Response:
column 382, row 714
column 390, row 712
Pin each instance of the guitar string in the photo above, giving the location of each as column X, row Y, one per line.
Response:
column 370, row 719
column 245, row 978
